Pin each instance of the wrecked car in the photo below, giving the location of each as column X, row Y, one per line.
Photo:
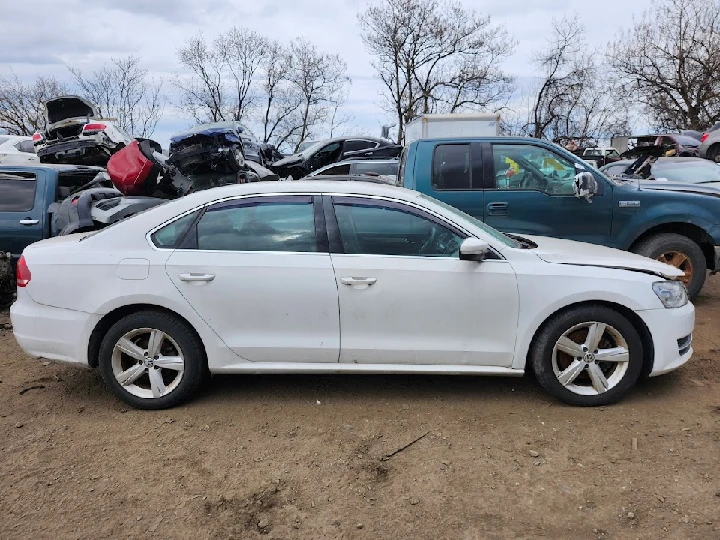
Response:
column 76, row 134
column 325, row 153
column 221, row 148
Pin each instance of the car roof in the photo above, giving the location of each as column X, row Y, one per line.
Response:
column 379, row 179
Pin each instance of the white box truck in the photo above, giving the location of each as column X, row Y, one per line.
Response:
column 429, row 126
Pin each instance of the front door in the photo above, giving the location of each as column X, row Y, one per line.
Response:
column 22, row 211
column 258, row 272
column 407, row 298
column 534, row 195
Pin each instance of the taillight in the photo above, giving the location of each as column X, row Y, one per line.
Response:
column 22, row 273
column 93, row 128
column 37, row 137
column 704, row 136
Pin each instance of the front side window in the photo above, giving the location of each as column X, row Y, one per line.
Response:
column 17, row 195
column 452, row 167
column 526, row 166
column 258, row 226
column 368, row 229
column 326, row 155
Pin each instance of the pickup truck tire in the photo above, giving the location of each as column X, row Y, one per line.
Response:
column 588, row 355
column 152, row 360
column 681, row 252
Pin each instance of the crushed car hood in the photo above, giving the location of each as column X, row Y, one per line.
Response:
column 554, row 250
column 66, row 107
column 206, row 131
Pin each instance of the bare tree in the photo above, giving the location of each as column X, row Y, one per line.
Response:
column 121, row 89
column 21, row 105
column 319, row 79
column 203, row 93
column 435, row 56
column 574, row 98
column 669, row 62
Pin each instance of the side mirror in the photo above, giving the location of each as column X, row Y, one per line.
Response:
column 585, row 186
column 473, row 249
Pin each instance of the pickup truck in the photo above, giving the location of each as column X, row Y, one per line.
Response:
column 528, row 187
column 26, row 194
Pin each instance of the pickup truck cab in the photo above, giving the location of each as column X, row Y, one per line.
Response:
column 528, row 187
column 26, row 193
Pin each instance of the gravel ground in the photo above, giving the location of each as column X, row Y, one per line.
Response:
column 323, row 457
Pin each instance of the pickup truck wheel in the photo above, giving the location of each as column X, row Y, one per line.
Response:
column 682, row 253
column 588, row 356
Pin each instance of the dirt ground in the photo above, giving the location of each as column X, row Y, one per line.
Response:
column 310, row 456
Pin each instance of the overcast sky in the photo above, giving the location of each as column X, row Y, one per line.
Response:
column 45, row 36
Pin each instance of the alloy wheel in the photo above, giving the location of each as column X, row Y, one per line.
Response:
column 148, row 363
column 590, row 358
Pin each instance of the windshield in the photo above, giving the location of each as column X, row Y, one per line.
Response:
column 497, row 235
column 593, row 152
column 310, row 150
column 696, row 172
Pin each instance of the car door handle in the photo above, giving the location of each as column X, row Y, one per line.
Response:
column 197, row 277
column 497, row 209
column 358, row 283
column 28, row 221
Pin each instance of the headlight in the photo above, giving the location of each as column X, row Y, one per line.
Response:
column 671, row 293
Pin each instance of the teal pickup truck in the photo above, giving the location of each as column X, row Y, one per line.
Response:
column 528, row 187
column 26, row 194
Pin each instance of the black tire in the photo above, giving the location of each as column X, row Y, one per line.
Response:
column 664, row 243
column 185, row 340
column 713, row 153
column 542, row 355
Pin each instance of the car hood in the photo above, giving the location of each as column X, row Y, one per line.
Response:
column 66, row 107
column 698, row 189
column 558, row 251
column 206, row 131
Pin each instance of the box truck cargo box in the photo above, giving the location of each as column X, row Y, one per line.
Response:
column 452, row 125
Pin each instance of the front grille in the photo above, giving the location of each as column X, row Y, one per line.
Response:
column 684, row 344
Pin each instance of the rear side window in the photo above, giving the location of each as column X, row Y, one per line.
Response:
column 358, row 144
column 17, row 195
column 452, row 167
column 379, row 168
column 172, row 234
column 272, row 226
column 337, row 171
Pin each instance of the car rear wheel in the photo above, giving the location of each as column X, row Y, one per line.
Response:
column 682, row 253
column 713, row 153
column 151, row 360
column 588, row 356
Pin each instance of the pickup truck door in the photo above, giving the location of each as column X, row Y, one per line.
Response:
column 22, row 210
column 531, row 192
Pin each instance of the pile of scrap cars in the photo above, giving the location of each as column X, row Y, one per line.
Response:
column 105, row 175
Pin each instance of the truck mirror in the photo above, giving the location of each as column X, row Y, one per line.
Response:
column 585, row 186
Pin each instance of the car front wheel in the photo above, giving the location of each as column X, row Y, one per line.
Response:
column 151, row 360
column 588, row 356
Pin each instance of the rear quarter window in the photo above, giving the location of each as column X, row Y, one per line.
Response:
column 17, row 194
column 451, row 167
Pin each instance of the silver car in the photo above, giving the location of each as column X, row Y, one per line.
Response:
column 710, row 144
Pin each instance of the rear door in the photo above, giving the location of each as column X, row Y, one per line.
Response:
column 258, row 272
column 22, row 210
column 534, row 195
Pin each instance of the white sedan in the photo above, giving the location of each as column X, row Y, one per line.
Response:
column 343, row 277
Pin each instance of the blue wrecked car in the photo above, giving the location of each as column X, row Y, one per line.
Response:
column 222, row 148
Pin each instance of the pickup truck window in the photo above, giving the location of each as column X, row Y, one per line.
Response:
column 378, row 230
column 17, row 194
column 526, row 166
column 452, row 167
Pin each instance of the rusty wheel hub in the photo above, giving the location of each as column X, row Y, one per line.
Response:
column 681, row 262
